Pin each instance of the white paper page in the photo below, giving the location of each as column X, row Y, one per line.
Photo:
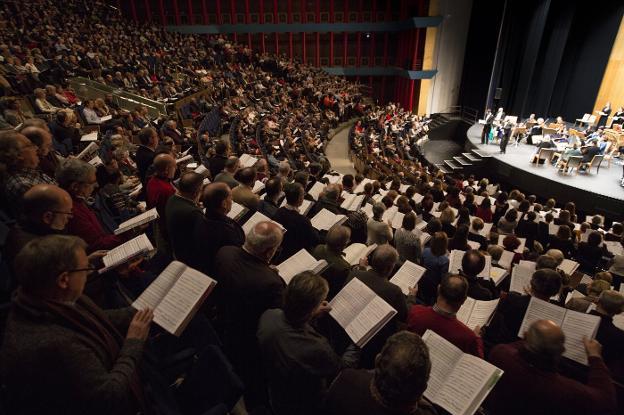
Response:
column 418, row 197
column 236, row 210
column 520, row 278
column 201, row 169
column 527, row 264
column 138, row 220
column 467, row 385
column 408, row 276
column 348, row 199
column 258, row 187
column 246, row 160
column 93, row 136
column 88, row 152
column 350, row 301
column 568, row 266
column 481, row 313
column 324, row 220
column 368, row 209
column 485, row 273
column 127, row 250
column 182, row 299
column 444, row 355
column 257, row 218
column 474, row 244
column 463, row 314
column 316, row 190
column 614, row 247
column 573, row 294
column 397, row 220
column 366, row 321
column 183, row 159
column 153, row 295
column 333, row 179
column 106, row 118
column 541, row 310
column 576, row 326
column 360, row 187
column 487, row 227
column 455, row 260
column 389, row 213
column 299, row 262
column 506, row 259
column 355, row 252
column 497, row 274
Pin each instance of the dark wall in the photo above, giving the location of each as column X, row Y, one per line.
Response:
column 551, row 58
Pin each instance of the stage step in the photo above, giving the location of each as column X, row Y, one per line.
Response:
column 471, row 157
column 462, row 161
column 482, row 154
column 453, row 164
column 443, row 168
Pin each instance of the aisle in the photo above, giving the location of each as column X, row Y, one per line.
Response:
column 337, row 150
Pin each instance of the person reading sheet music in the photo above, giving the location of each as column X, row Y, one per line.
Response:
column 182, row 213
column 299, row 361
column 247, row 287
column 383, row 261
column 243, row 193
column 338, row 269
column 611, row 303
column 300, row 234
column 214, row 230
column 441, row 317
column 531, row 384
column 270, row 203
column 508, row 317
column 473, row 262
column 395, row 387
column 329, row 200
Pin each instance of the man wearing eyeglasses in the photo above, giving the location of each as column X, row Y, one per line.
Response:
column 61, row 352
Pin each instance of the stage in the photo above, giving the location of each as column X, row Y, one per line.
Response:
column 593, row 193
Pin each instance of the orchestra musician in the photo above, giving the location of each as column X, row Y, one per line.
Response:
column 487, row 127
column 604, row 114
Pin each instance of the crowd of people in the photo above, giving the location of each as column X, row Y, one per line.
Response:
column 72, row 343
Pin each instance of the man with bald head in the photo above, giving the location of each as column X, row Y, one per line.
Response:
column 45, row 210
column 531, row 384
column 159, row 190
column 383, row 261
column 248, row 287
column 48, row 160
column 214, row 229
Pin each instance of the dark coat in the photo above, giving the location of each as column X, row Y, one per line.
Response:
column 181, row 215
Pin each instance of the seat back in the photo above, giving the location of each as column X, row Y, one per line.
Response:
column 596, row 160
column 545, row 153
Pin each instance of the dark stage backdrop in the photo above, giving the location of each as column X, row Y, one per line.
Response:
column 551, row 58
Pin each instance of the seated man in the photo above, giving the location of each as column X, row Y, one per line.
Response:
column 243, row 193
column 395, row 387
column 546, row 143
column 530, row 366
column 270, row 203
column 473, row 263
column 229, row 170
column 441, row 318
column 299, row 362
column 63, row 349
column 338, row 268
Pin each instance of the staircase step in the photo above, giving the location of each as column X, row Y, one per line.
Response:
column 462, row 161
column 482, row 154
column 443, row 169
column 471, row 157
column 453, row 164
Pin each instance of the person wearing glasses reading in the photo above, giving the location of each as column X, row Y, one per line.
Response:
column 60, row 347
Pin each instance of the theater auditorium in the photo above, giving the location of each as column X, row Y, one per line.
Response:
column 311, row 207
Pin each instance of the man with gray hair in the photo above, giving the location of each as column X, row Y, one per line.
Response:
column 378, row 231
column 395, row 386
column 383, row 262
column 336, row 273
column 248, row 286
column 330, row 200
column 611, row 303
column 530, row 366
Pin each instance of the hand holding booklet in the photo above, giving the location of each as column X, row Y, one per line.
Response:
column 175, row 296
column 355, row 252
column 299, row 262
column 360, row 311
column 125, row 252
column 459, row 382
column 136, row 221
column 408, row 276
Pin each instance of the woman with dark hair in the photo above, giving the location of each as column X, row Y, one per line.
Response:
column 469, row 203
column 563, row 241
column 463, row 217
column 591, row 252
column 435, row 260
column 508, row 223
column 501, row 206
column 452, row 197
column 460, row 239
column 484, row 210
column 407, row 242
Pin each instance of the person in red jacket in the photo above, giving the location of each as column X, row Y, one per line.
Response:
column 441, row 317
column 531, row 385
column 159, row 190
column 78, row 179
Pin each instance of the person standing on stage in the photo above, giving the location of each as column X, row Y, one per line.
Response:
column 604, row 114
column 506, row 134
column 489, row 119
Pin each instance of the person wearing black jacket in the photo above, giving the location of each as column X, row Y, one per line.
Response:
column 146, row 152
column 473, row 262
column 216, row 163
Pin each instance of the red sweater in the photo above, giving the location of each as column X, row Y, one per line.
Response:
column 526, row 389
column 158, row 192
column 421, row 319
column 87, row 226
